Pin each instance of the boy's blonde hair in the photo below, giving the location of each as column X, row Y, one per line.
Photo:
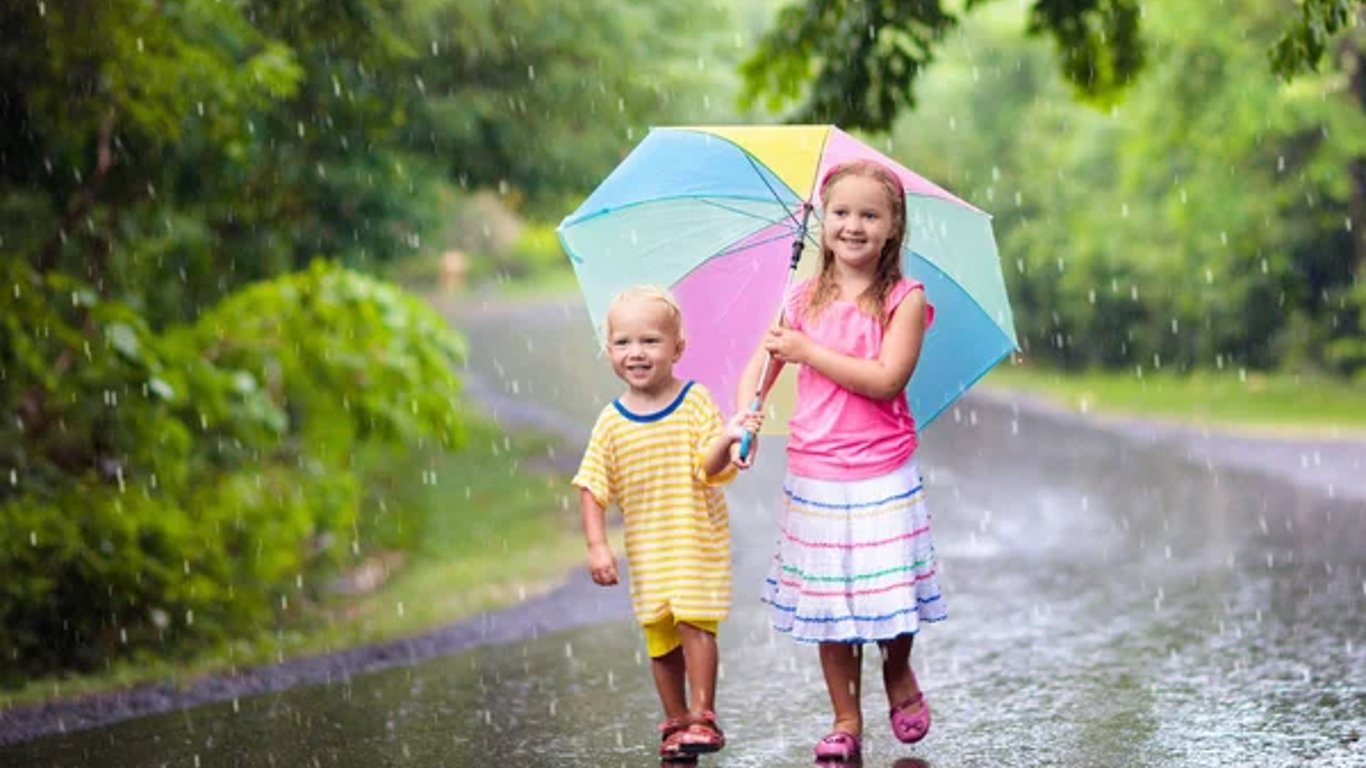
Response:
column 648, row 293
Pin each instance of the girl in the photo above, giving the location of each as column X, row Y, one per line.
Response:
column 854, row 560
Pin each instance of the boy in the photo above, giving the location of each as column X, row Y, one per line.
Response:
column 660, row 453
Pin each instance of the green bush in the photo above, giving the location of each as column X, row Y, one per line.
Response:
column 162, row 491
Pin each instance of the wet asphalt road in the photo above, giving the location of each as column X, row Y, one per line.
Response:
column 1111, row 604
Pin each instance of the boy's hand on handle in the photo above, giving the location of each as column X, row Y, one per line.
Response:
column 744, row 424
column 602, row 565
column 786, row 344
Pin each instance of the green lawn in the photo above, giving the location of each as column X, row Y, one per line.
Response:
column 1278, row 403
column 461, row 533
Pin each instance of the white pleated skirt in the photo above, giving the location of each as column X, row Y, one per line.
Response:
column 854, row 560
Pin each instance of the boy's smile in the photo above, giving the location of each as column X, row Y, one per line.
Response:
column 643, row 345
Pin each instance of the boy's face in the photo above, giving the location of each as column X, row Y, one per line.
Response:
column 643, row 343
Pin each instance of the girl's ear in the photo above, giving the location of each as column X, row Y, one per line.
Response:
column 678, row 348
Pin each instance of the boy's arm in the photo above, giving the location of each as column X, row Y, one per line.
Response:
column 602, row 564
column 717, row 456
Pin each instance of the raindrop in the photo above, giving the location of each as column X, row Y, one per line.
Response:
column 568, row 650
column 189, row 618
column 140, row 48
column 400, row 608
column 13, row 477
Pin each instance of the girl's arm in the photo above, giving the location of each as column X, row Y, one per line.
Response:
column 881, row 378
column 744, row 395
column 602, row 564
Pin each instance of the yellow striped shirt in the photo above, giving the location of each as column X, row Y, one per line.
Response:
column 677, row 524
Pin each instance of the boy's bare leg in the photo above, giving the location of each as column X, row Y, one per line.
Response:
column 669, row 671
column 897, row 675
column 842, row 664
column 699, row 649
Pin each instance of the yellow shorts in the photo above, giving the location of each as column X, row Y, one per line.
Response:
column 662, row 636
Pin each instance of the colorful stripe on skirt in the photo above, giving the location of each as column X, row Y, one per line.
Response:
column 854, row 560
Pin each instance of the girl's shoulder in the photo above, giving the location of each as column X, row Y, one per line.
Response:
column 903, row 288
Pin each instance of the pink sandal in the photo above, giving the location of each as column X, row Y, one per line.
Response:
column 838, row 745
column 910, row 727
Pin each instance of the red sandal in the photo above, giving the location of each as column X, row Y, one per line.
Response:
column 669, row 731
column 702, row 735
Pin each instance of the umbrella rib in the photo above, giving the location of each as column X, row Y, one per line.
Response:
column 791, row 214
column 739, row 212
column 742, row 245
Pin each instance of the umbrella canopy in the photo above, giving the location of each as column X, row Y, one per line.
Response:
column 710, row 213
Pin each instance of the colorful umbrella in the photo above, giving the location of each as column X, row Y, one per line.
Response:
column 711, row 213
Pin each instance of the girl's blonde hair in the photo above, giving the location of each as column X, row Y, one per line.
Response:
column 647, row 293
column 873, row 299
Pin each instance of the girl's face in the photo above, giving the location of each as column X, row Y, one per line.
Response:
column 643, row 343
column 858, row 221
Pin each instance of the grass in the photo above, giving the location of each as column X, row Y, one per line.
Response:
column 475, row 530
column 1278, row 403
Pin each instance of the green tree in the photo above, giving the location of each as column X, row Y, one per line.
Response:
column 1200, row 223
column 857, row 62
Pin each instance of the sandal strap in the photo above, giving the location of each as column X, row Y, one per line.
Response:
column 909, row 702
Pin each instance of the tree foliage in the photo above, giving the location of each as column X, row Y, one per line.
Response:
column 1203, row 223
column 858, row 62
column 165, row 489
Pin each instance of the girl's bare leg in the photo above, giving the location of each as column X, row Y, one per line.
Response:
column 842, row 665
column 897, row 675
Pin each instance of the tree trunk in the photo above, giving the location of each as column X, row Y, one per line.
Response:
column 83, row 199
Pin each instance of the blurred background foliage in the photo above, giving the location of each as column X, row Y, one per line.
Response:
column 196, row 199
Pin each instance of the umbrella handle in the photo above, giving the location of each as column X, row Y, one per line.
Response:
column 747, row 442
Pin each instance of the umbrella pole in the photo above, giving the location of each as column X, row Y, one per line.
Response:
column 798, row 243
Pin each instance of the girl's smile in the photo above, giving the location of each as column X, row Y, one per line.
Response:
column 858, row 221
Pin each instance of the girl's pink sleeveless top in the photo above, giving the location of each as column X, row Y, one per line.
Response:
column 837, row 434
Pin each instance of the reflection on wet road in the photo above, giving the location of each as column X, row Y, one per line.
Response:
column 1110, row 605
